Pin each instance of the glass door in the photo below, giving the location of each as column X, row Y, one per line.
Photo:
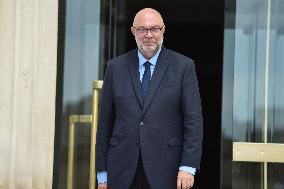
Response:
column 86, row 42
column 253, row 95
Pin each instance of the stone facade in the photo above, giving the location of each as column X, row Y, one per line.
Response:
column 28, row 59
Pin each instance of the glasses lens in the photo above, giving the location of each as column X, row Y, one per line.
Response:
column 142, row 30
column 155, row 30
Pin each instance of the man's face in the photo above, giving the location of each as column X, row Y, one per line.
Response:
column 148, row 29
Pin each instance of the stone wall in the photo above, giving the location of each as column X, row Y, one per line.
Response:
column 28, row 52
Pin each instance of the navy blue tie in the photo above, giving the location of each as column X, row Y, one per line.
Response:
column 146, row 79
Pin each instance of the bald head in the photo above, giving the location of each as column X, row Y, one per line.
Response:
column 148, row 17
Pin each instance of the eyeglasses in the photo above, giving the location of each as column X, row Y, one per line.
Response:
column 154, row 30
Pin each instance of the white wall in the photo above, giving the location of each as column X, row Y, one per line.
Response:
column 28, row 52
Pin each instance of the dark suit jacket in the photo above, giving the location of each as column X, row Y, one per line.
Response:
column 167, row 127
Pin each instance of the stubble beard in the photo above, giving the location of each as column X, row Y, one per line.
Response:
column 149, row 51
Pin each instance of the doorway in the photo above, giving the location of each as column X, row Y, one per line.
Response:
column 193, row 28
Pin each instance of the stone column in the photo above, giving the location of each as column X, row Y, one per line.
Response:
column 28, row 52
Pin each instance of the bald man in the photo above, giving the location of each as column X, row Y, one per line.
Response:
column 150, row 119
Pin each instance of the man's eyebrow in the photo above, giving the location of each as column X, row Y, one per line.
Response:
column 155, row 26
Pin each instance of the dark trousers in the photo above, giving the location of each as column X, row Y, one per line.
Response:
column 140, row 180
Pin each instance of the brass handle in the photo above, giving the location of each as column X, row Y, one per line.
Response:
column 97, row 86
column 73, row 119
column 93, row 119
column 258, row 152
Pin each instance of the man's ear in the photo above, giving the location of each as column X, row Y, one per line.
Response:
column 133, row 30
column 164, row 29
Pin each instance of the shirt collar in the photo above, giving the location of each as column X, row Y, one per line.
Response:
column 153, row 60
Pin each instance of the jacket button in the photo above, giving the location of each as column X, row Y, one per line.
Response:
column 141, row 123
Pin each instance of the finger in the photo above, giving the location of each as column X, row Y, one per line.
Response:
column 191, row 182
column 184, row 184
column 178, row 183
column 188, row 185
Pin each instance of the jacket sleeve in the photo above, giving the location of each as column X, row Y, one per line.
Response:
column 105, row 122
column 192, row 119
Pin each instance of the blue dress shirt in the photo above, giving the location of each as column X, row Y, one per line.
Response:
column 102, row 176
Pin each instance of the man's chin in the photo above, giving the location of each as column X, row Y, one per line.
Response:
column 152, row 49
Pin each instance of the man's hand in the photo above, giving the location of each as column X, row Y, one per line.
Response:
column 185, row 180
column 102, row 186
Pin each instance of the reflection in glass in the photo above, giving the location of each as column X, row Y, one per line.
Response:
column 276, row 176
column 249, row 67
column 80, row 67
column 244, row 80
column 276, row 90
column 248, row 90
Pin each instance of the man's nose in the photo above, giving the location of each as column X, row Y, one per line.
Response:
column 148, row 33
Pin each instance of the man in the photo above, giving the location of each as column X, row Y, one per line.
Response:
column 150, row 119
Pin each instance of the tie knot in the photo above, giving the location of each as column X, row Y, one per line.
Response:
column 147, row 65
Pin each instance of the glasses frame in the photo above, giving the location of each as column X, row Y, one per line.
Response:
column 149, row 29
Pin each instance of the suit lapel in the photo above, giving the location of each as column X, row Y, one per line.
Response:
column 133, row 66
column 157, row 77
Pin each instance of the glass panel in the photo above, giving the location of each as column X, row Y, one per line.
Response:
column 80, row 65
column 276, row 76
column 227, row 101
column 247, row 175
column 249, row 67
column 276, row 176
column 248, row 87
column 246, row 56
column 276, row 90
column 244, row 88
